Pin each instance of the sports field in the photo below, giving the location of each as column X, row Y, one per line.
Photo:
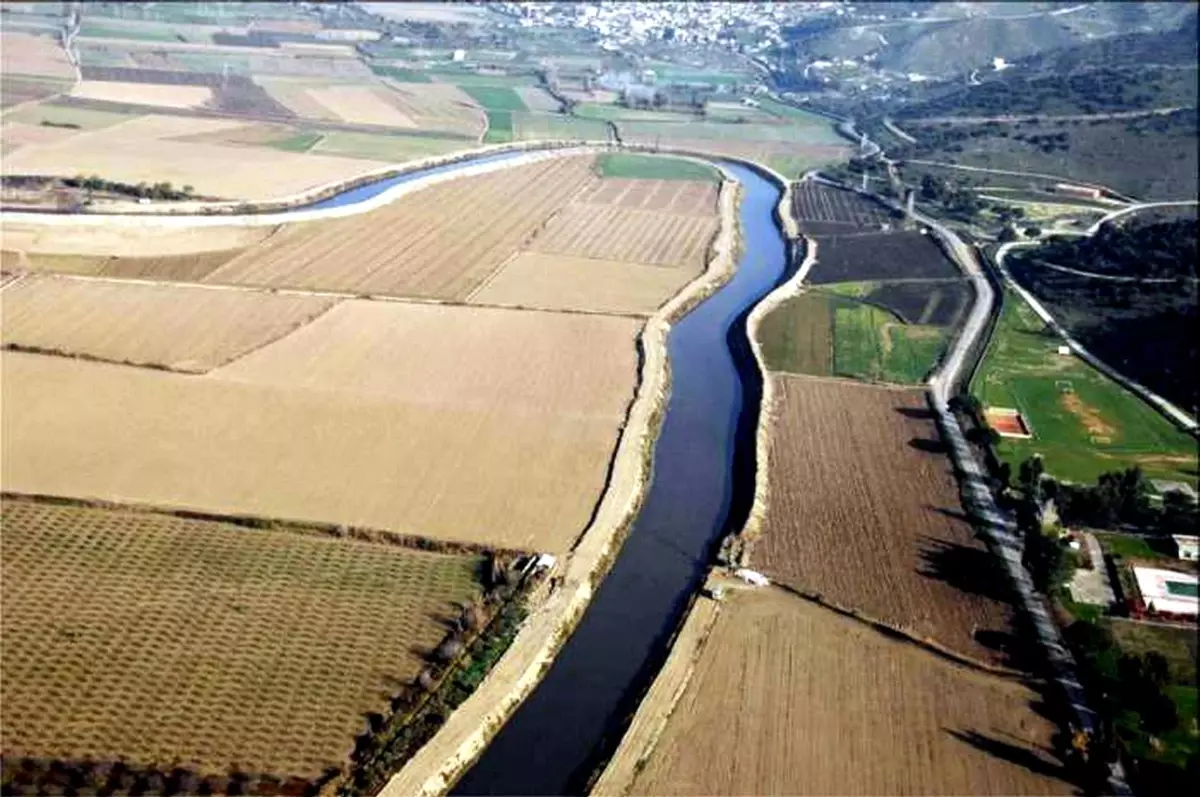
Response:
column 214, row 648
column 1083, row 423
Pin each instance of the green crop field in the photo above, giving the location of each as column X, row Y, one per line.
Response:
column 401, row 74
column 500, row 127
column 870, row 343
column 465, row 79
column 797, row 336
column 529, row 126
column 61, row 115
column 155, row 33
column 619, row 113
column 301, row 142
column 653, row 167
column 1083, row 423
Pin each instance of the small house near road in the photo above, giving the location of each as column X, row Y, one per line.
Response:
column 1187, row 546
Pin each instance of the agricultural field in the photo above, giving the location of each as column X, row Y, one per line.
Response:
column 814, row 141
column 162, row 95
column 1083, row 423
column 790, row 698
column 936, row 302
column 652, row 167
column 382, row 147
column 412, row 418
column 860, row 257
column 223, row 649
column 825, row 210
column 823, row 334
column 173, row 327
column 143, row 149
column 414, row 246
column 858, row 475
column 109, row 244
column 533, row 126
column 34, row 56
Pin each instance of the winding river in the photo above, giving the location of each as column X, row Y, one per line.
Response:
column 702, row 488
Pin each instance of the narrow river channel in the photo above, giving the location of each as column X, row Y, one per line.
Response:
column 702, row 487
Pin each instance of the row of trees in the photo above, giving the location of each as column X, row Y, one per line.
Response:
column 163, row 190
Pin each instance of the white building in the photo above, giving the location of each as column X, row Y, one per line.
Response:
column 1187, row 546
column 1168, row 591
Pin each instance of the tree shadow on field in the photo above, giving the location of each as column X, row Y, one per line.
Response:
column 916, row 413
column 1018, row 754
column 950, row 513
column 928, row 446
column 967, row 569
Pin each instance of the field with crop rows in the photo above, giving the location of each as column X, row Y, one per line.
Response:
column 155, row 639
column 442, row 241
column 458, row 423
column 534, row 126
column 826, row 210
column 863, row 510
column 174, row 327
column 1083, row 423
column 790, row 698
column 858, row 257
column 797, row 336
column 605, row 225
column 935, row 302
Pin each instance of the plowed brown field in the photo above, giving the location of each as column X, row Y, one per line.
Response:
column 472, row 424
column 180, row 328
column 155, row 639
column 442, row 241
column 790, row 698
column 687, row 197
column 863, row 510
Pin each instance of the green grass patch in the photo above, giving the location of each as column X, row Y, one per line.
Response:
column 1177, row 645
column 1130, row 546
column 384, row 147
column 401, row 74
column 619, row 113
column 500, row 127
column 462, row 79
column 301, row 142
column 139, row 33
column 63, row 116
column 496, row 98
column 1083, row 423
column 653, row 167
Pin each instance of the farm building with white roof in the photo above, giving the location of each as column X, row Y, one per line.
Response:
column 1167, row 591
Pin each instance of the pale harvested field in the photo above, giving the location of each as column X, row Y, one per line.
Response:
column 790, row 698
column 107, row 241
column 14, row 135
column 24, row 54
column 472, row 424
column 141, row 150
column 610, row 232
column 361, row 105
column 533, row 279
column 442, row 241
column 171, row 326
column 172, row 96
column 437, row 106
column 863, row 510
column 686, row 197
column 293, row 95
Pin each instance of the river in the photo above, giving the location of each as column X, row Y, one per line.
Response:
column 702, row 488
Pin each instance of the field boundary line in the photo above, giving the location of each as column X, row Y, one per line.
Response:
column 284, row 334
column 898, row 387
column 469, row 729
column 899, row 634
column 253, row 523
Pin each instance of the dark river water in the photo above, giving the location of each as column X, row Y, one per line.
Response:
column 702, row 488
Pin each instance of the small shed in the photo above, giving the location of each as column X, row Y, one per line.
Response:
column 1064, row 350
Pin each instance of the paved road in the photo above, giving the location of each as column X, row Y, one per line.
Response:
column 1043, row 117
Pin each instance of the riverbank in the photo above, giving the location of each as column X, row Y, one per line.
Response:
column 467, row 732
